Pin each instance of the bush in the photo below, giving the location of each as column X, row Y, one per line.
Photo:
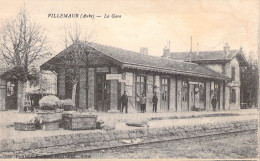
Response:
column 49, row 102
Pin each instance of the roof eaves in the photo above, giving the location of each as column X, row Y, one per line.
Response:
column 177, row 71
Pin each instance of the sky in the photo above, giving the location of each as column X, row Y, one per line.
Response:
column 149, row 23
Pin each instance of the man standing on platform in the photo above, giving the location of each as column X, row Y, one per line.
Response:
column 124, row 100
column 155, row 100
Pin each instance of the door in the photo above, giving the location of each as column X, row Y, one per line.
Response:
column 202, row 95
column 217, row 94
column 192, row 97
column 102, row 93
column 140, row 89
column 68, row 88
column 11, row 94
column 164, row 105
column 184, row 96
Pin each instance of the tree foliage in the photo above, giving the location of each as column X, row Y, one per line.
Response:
column 75, row 56
column 249, row 81
column 22, row 43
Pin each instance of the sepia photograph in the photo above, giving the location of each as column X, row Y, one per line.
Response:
column 130, row 79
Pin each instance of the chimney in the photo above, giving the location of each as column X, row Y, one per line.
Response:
column 144, row 50
column 226, row 48
column 166, row 52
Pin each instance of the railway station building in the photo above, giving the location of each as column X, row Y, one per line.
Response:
column 180, row 85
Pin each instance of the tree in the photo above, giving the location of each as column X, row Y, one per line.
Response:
column 249, row 81
column 22, row 43
column 76, row 56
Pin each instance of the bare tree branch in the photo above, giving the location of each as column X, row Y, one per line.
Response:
column 22, row 41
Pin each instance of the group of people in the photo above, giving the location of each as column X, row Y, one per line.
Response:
column 143, row 101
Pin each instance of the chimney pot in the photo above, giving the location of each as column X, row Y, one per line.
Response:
column 226, row 47
column 166, row 52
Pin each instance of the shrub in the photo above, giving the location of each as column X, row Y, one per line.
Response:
column 49, row 102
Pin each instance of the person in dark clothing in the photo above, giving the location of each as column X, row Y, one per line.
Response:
column 124, row 100
column 214, row 102
column 155, row 100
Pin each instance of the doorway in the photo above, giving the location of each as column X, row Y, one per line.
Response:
column 102, row 93
column 140, row 89
column 184, row 96
column 164, row 106
column 11, row 94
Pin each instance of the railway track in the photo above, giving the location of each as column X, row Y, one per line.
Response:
column 72, row 154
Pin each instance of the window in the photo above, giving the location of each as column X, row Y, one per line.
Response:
column 164, row 89
column 10, row 89
column 185, row 91
column 233, row 96
column 140, row 85
column 103, row 88
column 233, row 73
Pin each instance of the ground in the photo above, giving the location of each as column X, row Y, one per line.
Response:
column 213, row 147
column 236, row 145
column 7, row 119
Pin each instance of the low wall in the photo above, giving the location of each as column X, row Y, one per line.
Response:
column 40, row 146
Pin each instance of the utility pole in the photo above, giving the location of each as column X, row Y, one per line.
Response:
column 190, row 48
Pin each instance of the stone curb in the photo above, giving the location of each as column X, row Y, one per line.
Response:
column 50, row 145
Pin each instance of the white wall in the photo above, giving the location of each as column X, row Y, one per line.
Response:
column 236, row 84
column 215, row 67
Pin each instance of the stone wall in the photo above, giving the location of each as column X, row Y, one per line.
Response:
column 179, row 98
column 82, row 88
column 114, row 91
column 91, row 89
column 172, row 94
column 39, row 146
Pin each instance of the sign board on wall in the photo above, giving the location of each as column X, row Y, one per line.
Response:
column 114, row 76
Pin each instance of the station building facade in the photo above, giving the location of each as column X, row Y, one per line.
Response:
column 226, row 62
column 109, row 71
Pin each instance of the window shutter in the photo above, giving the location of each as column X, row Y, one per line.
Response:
column 233, row 73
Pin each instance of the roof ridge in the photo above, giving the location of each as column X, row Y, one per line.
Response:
column 157, row 57
column 203, row 51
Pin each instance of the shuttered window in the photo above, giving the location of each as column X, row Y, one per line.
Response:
column 233, row 73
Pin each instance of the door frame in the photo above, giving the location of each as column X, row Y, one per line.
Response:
column 137, row 104
column 187, row 95
column 168, row 93
column 96, row 94
column 15, row 91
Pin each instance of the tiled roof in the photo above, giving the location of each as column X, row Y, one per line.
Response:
column 203, row 55
column 130, row 59
column 3, row 70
